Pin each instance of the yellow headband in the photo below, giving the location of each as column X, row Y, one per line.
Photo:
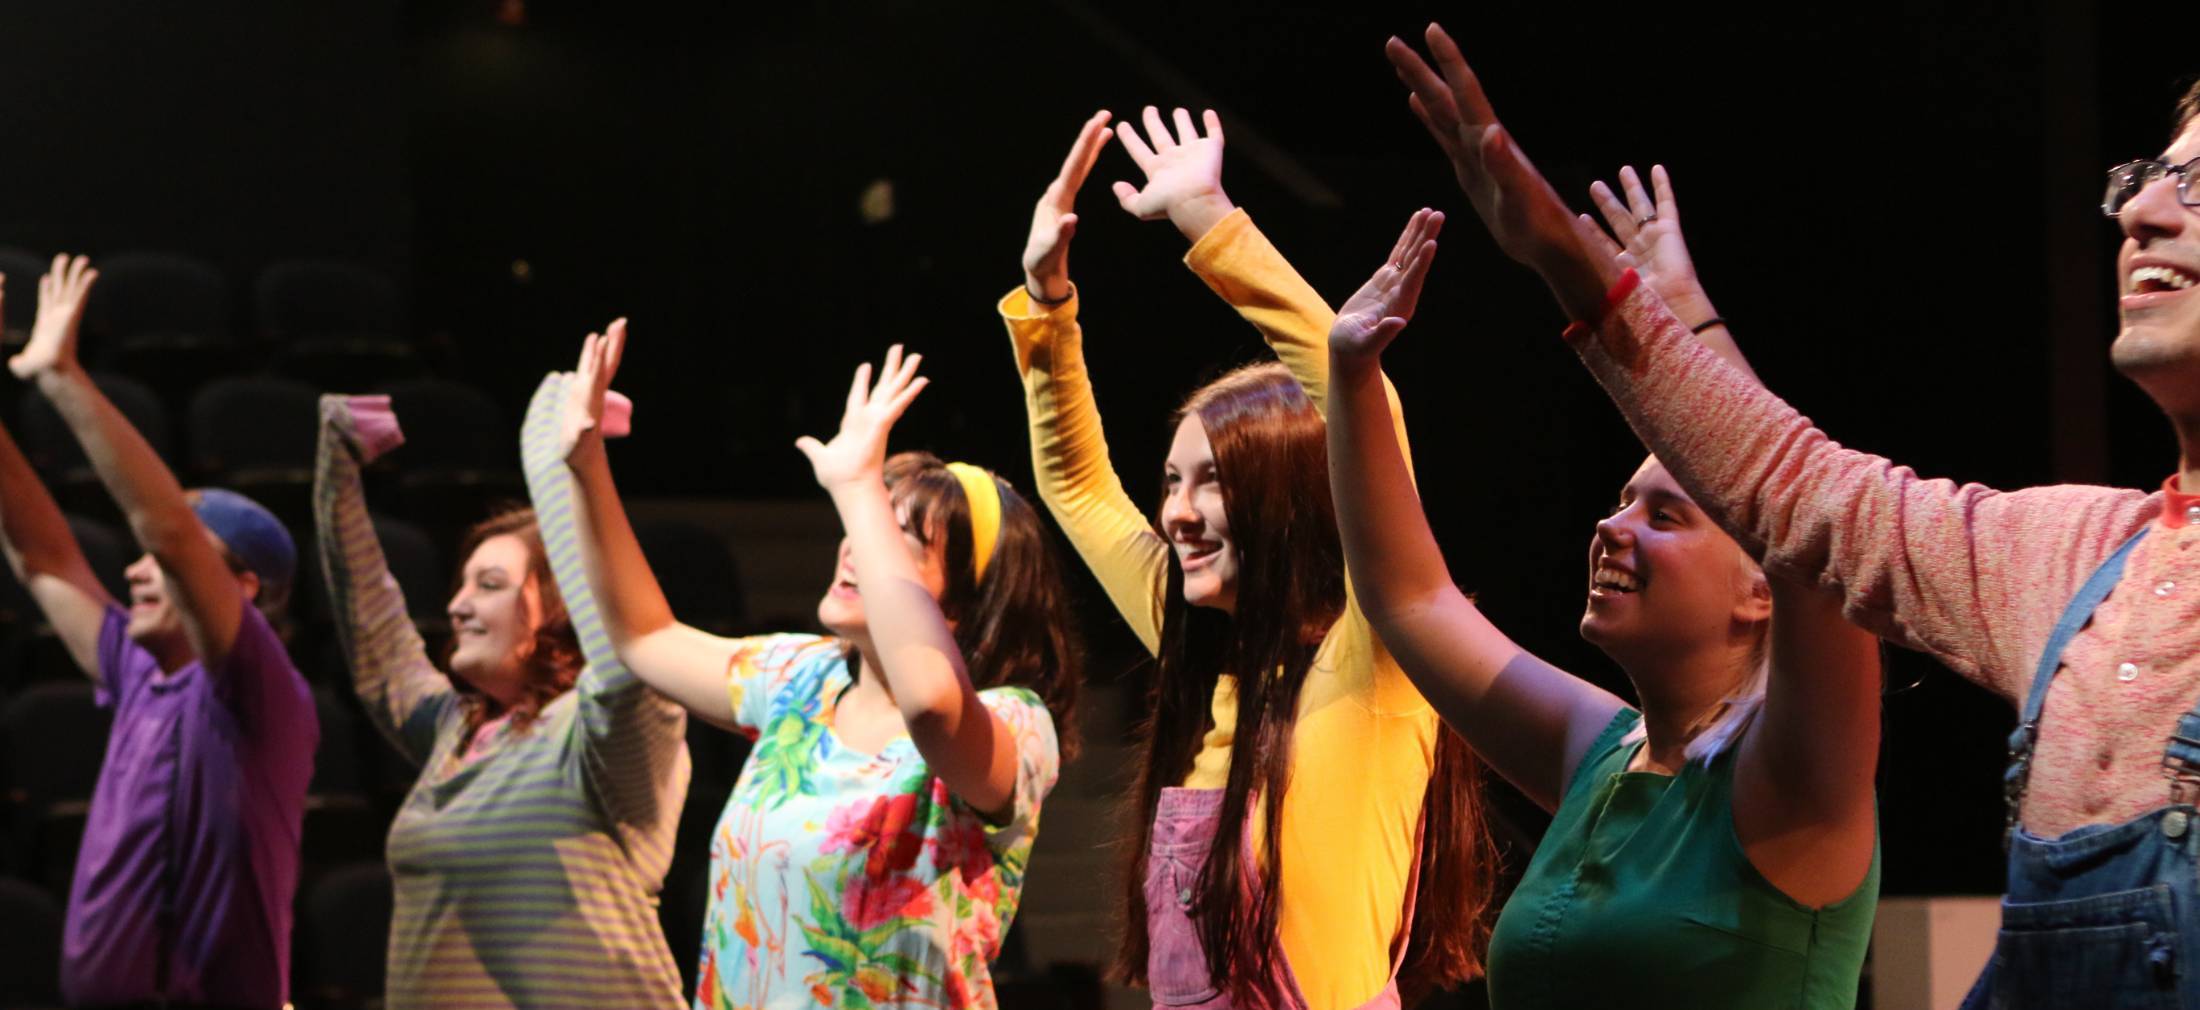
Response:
column 985, row 514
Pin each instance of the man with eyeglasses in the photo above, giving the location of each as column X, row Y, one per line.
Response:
column 2079, row 604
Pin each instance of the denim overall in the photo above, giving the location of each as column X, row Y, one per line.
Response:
column 1176, row 962
column 2092, row 918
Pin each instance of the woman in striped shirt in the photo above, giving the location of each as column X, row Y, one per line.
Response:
column 528, row 856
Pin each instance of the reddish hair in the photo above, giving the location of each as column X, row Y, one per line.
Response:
column 554, row 660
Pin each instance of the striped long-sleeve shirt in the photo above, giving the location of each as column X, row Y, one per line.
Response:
column 527, row 877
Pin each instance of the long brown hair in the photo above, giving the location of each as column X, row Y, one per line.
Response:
column 554, row 661
column 1015, row 627
column 1272, row 460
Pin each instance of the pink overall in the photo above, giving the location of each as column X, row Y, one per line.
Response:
column 1176, row 962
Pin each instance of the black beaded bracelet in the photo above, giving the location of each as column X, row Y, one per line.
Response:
column 1707, row 324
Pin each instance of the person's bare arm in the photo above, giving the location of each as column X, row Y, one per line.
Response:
column 199, row 581
column 1531, row 721
column 964, row 742
column 683, row 663
column 46, row 559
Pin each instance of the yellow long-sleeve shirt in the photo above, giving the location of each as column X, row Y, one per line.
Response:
column 1364, row 743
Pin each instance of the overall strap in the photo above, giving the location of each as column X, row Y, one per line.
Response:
column 2074, row 617
column 2181, row 754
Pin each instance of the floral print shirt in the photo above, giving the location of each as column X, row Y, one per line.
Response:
column 845, row 879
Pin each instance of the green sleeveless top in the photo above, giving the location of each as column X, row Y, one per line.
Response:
column 1640, row 895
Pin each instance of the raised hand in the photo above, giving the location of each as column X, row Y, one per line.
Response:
column 857, row 455
column 61, row 294
column 1645, row 234
column 1523, row 213
column 1054, row 221
column 1381, row 308
column 590, row 405
column 1183, row 172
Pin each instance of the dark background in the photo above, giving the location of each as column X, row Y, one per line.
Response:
column 1893, row 203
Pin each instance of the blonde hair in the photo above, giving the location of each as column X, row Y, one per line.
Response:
column 1724, row 724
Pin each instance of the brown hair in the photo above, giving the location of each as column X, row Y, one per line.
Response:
column 2188, row 108
column 554, row 660
column 1015, row 627
column 1272, row 460
column 271, row 599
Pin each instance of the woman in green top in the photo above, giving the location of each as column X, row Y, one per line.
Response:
column 1716, row 847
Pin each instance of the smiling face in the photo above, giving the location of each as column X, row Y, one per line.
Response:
column 1193, row 518
column 2158, row 274
column 494, row 616
column 1663, row 578
column 841, row 610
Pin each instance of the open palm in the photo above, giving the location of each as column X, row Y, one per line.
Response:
column 857, row 454
column 1180, row 168
column 1374, row 315
column 590, row 405
column 61, row 295
column 1054, row 219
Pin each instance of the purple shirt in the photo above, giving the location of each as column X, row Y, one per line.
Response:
column 190, row 857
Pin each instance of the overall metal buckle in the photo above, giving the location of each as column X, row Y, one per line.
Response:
column 2016, row 778
column 2183, row 774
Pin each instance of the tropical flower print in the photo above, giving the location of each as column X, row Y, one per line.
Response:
column 846, row 879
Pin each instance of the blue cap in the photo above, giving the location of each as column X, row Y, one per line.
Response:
column 251, row 532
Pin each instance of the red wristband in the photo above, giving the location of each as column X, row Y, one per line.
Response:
column 1620, row 290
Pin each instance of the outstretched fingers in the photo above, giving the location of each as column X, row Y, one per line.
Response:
column 615, row 348
column 1406, row 238
column 1662, row 185
column 1135, row 145
column 1157, row 132
column 1413, row 274
column 1426, row 92
column 896, row 373
column 1078, row 163
column 584, row 369
column 903, row 398
column 897, row 383
column 69, row 279
column 1597, row 237
column 1638, row 199
column 1616, row 215
column 1185, row 131
column 1464, row 87
column 858, row 392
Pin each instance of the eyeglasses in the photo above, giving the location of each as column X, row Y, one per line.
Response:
column 2126, row 180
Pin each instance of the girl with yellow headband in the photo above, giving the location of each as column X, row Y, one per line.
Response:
column 873, row 850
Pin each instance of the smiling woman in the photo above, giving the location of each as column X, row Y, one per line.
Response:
column 1305, row 832
column 528, row 856
column 511, row 640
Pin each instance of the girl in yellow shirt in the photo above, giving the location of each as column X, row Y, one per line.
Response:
column 1308, row 834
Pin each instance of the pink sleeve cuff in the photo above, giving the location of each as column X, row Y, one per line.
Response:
column 374, row 424
column 618, row 414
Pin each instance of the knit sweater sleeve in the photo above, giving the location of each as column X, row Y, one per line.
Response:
column 1973, row 576
column 632, row 740
column 403, row 693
